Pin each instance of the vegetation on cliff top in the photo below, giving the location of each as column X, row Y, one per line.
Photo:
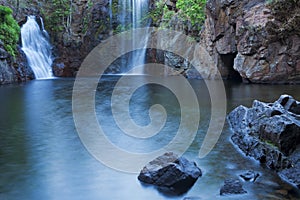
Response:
column 59, row 16
column 9, row 30
column 192, row 11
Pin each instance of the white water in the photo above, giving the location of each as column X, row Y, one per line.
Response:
column 138, row 10
column 37, row 48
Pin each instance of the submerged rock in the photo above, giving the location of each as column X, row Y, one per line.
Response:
column 232, row 186
column 170, row 173
column 250, row 176
column 270, row 133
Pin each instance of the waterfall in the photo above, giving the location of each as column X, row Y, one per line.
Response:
column 37, row 48
column 131, row 13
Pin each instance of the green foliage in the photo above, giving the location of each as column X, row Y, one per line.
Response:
column 87, row 17
column 121, row 28
column 167, row 15
column 9, row 30
column 57, row 14
column 115, row 7
column 157, row 13
column 186, row 10
column 192, row 10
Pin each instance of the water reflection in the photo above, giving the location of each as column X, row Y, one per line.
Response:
column 41, row 156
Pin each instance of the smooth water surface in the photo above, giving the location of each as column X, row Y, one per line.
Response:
column 42, row 157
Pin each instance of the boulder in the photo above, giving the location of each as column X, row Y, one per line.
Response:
column 170, row 173
column 270, row 133
column 232, row 186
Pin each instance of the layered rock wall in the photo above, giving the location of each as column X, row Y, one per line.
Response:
column 250, row 37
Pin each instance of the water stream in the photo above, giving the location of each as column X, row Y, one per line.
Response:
column 37, row 48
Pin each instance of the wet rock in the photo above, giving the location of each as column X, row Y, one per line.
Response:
column 292, row 174
column 7, row 73
column 23, row 70
column 270, row 133
column 16, row 69
column 232, row 186
column 250, row 176
column 290, row 104
column 170, row 173
column 3, row 54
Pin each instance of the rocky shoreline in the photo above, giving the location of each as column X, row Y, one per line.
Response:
column 270, row 133
column 267, row 132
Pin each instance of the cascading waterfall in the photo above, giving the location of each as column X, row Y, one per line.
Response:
column 37, row 48
column 132, row 12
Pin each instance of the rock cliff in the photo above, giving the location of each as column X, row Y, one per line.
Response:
column 254, row 40
column 72, row 48
column 14, row 70
column 257, row 38
column 89, row 25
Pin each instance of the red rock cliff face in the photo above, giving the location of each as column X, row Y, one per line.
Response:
column 72, row 48
column 260, row 41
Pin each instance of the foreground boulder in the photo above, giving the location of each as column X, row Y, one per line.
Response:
column 170, row 173
column 270, row 133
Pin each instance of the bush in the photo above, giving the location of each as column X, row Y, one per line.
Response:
column 187, row 10
column 192, row 10
column 9, row 30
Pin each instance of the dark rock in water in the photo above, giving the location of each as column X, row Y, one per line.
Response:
column 250, row 176
column 232, row 186
column 172, row 174
column 270, row 133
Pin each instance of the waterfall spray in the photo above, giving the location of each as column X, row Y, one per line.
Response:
column 37, row 48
